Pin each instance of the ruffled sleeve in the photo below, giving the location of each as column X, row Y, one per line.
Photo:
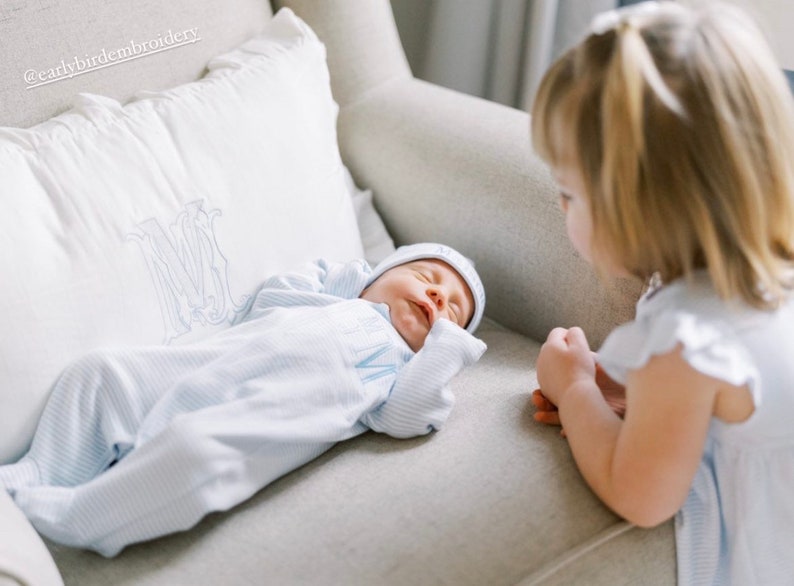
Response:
column 710, row 347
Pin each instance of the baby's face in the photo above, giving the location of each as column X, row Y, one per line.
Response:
column 419, row 293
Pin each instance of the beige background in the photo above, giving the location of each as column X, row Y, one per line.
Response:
column 777, row 19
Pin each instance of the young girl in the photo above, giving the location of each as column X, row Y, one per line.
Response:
column 671, row 134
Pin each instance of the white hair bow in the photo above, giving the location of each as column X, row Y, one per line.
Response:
column 609, row 20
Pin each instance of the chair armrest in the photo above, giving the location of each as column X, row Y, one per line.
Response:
column 362, row 42
column 449, row 167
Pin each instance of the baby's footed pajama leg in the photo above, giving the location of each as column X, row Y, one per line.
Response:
column 203, row 462
column 92, row 416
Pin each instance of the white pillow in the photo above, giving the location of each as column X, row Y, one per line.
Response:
column 151, row 222
column 375, row 238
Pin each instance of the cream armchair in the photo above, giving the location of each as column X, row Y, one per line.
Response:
column 493, row 498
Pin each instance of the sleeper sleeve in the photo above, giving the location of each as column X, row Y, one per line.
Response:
column 344, row 280
column 420, row 399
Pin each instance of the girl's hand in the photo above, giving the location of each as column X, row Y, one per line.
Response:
column 565, row 359
column 614, row 395
column 613, row 392
column 545, row 411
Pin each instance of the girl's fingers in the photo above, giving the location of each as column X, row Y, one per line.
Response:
column 547, row 417
column 541, row 402
column 576, row 338
column 557, row 336
column 546, row 412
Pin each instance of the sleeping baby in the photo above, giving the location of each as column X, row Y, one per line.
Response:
column 135, row 443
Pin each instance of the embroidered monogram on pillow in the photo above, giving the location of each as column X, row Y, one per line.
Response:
column 151, row 222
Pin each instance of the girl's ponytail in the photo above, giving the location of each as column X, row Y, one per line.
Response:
column 632, row 85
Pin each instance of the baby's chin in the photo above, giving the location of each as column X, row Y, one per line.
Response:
column 415, row 340
column 409, row 328
column 415, row 343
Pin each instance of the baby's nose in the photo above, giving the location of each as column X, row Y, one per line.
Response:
column 438, row 297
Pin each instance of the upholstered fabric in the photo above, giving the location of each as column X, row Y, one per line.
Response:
column 23, row 556
column 363, row 45
column 459, row 170
column 451, row 168
column 36, row 37
column 491, row 498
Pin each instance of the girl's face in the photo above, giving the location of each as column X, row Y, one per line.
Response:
column 576, row 205
column 578, row 218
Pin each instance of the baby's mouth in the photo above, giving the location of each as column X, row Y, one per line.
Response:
column 424, row 308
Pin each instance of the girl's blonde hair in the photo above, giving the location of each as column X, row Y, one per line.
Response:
column 682, row 126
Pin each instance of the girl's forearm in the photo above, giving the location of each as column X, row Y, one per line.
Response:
column 613, row 469
column 592, row 429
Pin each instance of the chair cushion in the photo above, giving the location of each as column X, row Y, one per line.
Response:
column 490, row 499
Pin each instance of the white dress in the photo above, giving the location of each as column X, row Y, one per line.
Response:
column 737, row 525
column 139, row 442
